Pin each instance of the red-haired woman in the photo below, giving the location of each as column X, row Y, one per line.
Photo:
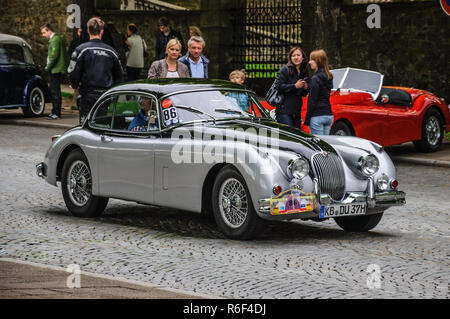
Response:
column 319, row 116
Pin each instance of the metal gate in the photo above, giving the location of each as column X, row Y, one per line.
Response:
column 264, row 32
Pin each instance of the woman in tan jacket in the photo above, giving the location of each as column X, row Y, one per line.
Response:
column 169, row 67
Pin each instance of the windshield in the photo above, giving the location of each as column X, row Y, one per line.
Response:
column 210, row 105
column 362, row 80
column 337, row 77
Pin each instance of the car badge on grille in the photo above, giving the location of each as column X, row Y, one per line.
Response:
column 324, row 153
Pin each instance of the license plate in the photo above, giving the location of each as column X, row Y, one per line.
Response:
column 343, row 210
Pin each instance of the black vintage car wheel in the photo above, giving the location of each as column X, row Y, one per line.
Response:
column 35, row 103
column 232, row 206
column 76, row 186
column 340, row 128
column 359, row 223
column 432, row 132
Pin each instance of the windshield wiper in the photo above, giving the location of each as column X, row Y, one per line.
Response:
column 195, row 110
column 230, row 111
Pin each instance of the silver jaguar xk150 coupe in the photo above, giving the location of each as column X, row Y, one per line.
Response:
column 208, row 146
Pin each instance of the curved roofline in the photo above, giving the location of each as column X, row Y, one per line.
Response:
column 7, row 38
column 168, row 86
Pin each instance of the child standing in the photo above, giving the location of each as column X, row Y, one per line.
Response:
column 238, row 76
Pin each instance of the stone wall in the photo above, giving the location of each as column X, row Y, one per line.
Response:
column 24, row 19
column 411, row 48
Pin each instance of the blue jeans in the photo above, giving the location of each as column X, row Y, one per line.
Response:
column 289, row 119
column 320, row 125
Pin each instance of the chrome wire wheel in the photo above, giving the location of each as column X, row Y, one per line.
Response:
column 233, row 203
column 37, row 101
column 433, row 131
column 79, row 183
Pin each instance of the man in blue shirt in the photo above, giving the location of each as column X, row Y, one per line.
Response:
column 142, row 122
column 196, row 62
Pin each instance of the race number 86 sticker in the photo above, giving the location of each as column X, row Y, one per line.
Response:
column 170, row 115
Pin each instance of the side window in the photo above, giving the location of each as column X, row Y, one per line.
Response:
column 136, row 113
column 103, row 116
column 28, row 55
column 11, row 53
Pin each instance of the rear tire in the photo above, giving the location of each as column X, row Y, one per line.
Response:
column 35, row 103
column 432, row 132
column 76, row 186
column 233, row 207
column 342, row 129
column 359, row 223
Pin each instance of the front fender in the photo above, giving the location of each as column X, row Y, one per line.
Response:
column 36, row 80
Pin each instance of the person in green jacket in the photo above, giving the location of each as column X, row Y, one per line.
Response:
column 57, row 63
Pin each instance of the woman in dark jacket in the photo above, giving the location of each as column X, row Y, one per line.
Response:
column 291, row 82
column 319, row 117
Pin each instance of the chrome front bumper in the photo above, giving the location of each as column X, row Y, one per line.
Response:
column 374, row 200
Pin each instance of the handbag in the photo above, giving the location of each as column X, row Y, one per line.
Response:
column 143, row 48
column 273, row 96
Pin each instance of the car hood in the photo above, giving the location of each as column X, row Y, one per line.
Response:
column 266, row 133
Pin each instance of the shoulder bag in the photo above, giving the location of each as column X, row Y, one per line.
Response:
column 273, row 96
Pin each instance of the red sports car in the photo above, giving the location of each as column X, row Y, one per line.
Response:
column 363, row 107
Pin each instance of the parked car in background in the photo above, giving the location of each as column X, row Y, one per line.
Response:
column 208, row 146
column 21, row 81
column 387, row 115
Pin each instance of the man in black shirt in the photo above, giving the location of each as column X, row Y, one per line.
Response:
column 166, row 33
column 94, row 68
column 106, row 38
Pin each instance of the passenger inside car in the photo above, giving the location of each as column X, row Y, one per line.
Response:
column 146, row 119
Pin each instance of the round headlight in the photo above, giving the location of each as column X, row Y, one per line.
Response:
column 298, row 168
column 383, row 182
column 368, row 164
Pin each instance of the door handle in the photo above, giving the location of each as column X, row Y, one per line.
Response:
column 106, row 139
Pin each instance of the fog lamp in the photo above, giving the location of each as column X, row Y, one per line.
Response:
column 383, row 182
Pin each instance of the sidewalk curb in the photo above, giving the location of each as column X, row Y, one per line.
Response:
column 420, row 161
column 118, row 279
column 37, row 124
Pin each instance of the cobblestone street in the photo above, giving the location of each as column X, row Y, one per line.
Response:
column 181, row 250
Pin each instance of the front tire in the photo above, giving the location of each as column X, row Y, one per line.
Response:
column 35, row 103
column 232, row 206
column 358, row 223
column 432, row 132
column 76, row 186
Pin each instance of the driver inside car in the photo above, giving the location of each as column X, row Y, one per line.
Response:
column 146, row 118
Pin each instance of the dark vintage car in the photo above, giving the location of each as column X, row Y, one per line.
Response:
column 208, row 146
column 21, row 81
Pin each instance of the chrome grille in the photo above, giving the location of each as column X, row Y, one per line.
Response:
column 330, row 173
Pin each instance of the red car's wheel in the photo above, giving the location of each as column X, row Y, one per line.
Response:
column 340, row 128
column 432, row 132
